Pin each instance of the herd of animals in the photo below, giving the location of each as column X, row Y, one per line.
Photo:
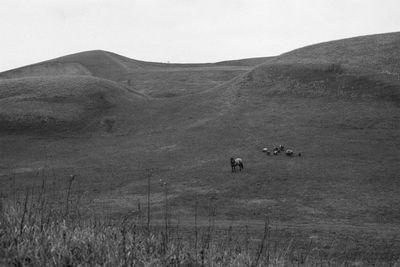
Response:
column 238, row 162
column 279, row 149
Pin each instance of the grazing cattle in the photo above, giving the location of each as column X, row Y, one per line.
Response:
column 299, row 154
column 289, row 152
column 265, row 150
column 268, row 153
column 236, row 162
column 281, row 148
column 276, row 152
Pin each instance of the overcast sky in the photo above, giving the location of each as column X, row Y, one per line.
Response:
column 182, row 30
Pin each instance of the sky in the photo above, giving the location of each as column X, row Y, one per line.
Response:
column 182, row 30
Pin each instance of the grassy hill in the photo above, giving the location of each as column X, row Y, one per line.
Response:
column 360, row 67
column 372, row 53
column 112, row 66
column 70, row 79
column 61, row 103
column 157, row 79
column 336, row 103
column 97, row 63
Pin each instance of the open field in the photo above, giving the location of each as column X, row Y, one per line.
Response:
column 182, row 123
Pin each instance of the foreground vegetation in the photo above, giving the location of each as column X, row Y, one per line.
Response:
column 39, row 229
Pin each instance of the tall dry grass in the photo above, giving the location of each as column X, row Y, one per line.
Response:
column 37, row 229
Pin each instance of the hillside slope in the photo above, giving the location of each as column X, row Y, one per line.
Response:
column 69, row 79
column 108, row 65
column 59, row 102
column 361, row 67
column 377, row 53
column 156, row 79
column 97, row 63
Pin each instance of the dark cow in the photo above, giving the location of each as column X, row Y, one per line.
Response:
column 289, row 152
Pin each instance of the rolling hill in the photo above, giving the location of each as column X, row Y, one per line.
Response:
column 371, row 53
column 61, row 103
column 157, row 79
column 108, row 65
column 360, row 67
column 96, row 63
column 83, row 72
column 336, row 102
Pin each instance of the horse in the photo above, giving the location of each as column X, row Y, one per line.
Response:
column 236, row 162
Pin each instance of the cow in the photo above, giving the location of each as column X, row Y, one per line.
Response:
column 289, row 152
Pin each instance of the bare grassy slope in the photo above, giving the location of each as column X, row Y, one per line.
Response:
column 46, row 69
column 97, row 63
column 153, row 78
column 375, row 53
column 360, row 67
column 87, row 71
column 59, row 102
column 108, row 65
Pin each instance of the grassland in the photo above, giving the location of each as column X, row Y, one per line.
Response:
column 60, row 103
column 337, row 103
column 41, row 228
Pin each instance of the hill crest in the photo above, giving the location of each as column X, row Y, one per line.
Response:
column 109, row 65
column 366, row 67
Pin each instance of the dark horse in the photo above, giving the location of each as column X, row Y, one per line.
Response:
column 236, row 162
